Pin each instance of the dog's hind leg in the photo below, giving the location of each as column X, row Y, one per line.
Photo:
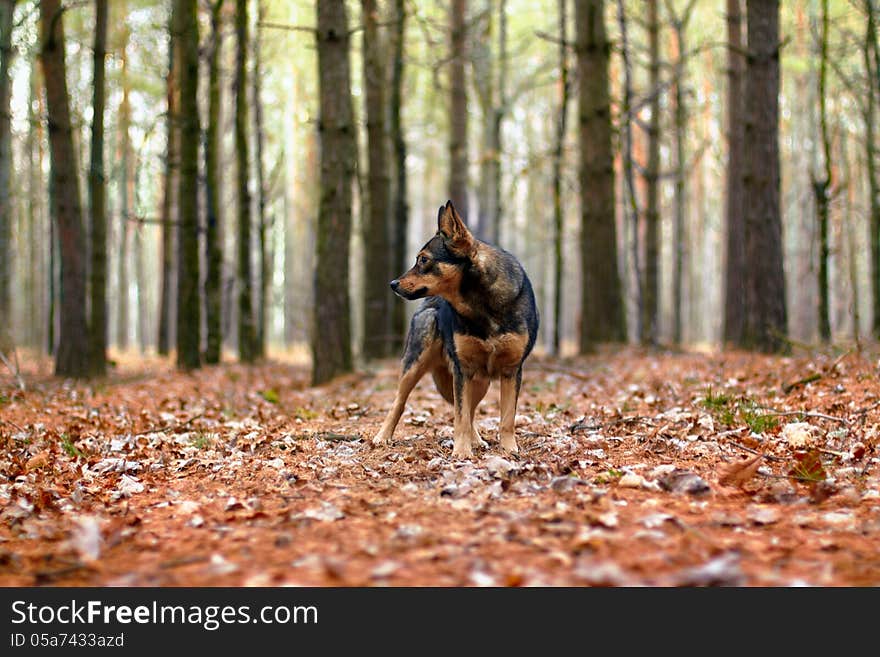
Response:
column 509, row 393
column 408, row 381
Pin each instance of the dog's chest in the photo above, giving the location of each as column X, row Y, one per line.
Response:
column 493, row 357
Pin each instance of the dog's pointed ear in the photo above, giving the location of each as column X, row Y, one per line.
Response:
column 452, row 227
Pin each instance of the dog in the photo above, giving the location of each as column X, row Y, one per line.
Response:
column 479, row 322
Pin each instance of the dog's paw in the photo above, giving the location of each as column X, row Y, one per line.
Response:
column 462, row 450
column 477, row 442
column 379, row 439
column 508, row 444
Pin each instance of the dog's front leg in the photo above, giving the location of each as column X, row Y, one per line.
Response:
column 463, row 427
column 509, row 394
column 408, row 381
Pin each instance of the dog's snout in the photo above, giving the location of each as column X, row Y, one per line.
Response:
column 395, row 284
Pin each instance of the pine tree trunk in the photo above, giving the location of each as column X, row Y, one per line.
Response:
column 652, row 185
column 167, row 294
column 458, row 112
column 331, row 334
column 246, row 329
column 872, row 70
column 679, row 135
column 765, row 327
column 97, row 198
column 822, row 185
column 400, row 218
column 734, row 303
column 558, row 151
column 602, row 307
column 126, row 215
column 7, row 9
column 73, row 341
column 263, row 223
column 214, row 221
column 377, row 242
column 188, row 302
column 37, row 242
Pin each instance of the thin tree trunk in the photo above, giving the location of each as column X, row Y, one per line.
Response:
column 331, row 333
column 734, row 304
column 263, row 223
column 37, row 242
column 73, row 340
column 765, row 327
column 496, row 144
column 872, row 72
column 377, row 243
column 630, row 199
column 126, row 197
column 247, row 351
column 188, row 303
column 558, row 152
column 822, row 186
column 167, row 296
column 97, row 198
column 214, row 220
column 401, row 208
column 458, row 112
column 651, row 293
column 602, row 307
column 7, row 10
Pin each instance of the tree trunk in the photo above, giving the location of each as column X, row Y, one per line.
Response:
column 37, row 242
column 734, row 303
column 167, row 296
column 97, row 198
column 765, row 327
column 331, row 334
column 263, row 224
column 377, row 243
column 73, row 341
column 126, row 192
column 680, row 124
column 558, row 152
column 399, row 256
column 458, row 112
column 872, row 72
column 630, row 199
column 822, row 185
column 214, row 221
column 247, row 351
column 7, row 9
column 188, row 303
column 651, row 299
column 602, row 307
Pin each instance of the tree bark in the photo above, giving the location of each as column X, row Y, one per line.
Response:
column 247, row 351
column 7, row 10
column 558, row 153
column 458, row 112
column 400, row 218
column 822, row 185
column 167, row 296
column 377, row 242
column 126, row 192
column 73, row 358
column 765, row 327
column 263, row 223
column 602, row 307
column 734, row 303
column 651, row 298
column 331, row 334
column 97, row 198
column 872, row 72
column 188, row 302
column 214, row 220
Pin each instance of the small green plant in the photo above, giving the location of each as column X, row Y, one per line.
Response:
column 716, row 402
column 69, row 448
column 270, row 395
column 608, row 476
column 4, row 399
column 305, row 414
column 758, row 422
column 201, row 440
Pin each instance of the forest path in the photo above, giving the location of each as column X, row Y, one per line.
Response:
column 634, row 469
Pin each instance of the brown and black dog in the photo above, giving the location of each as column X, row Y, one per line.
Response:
column 478, row 323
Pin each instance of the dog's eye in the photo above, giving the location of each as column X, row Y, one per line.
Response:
column 421, row 260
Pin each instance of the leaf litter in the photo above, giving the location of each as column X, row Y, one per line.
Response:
column 635, row 469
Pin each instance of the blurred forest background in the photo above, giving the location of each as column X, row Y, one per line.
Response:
column 232, row 179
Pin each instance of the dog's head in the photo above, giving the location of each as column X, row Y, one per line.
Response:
column 441, row 262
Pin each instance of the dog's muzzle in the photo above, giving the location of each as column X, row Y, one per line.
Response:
column 411, row 296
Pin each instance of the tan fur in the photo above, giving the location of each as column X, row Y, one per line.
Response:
column 493, row 357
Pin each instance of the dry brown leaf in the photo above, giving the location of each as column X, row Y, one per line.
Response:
column 37, row 461
column 739, row 472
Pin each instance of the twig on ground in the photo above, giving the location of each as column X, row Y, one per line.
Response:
column 756, row 452
column 14, row 369
column 821, row 416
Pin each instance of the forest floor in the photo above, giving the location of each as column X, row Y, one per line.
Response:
column 635, row 468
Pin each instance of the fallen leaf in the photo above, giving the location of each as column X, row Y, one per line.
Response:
column 808, row 466
column 738, row 473
column 684, row 481
column 799, row 434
